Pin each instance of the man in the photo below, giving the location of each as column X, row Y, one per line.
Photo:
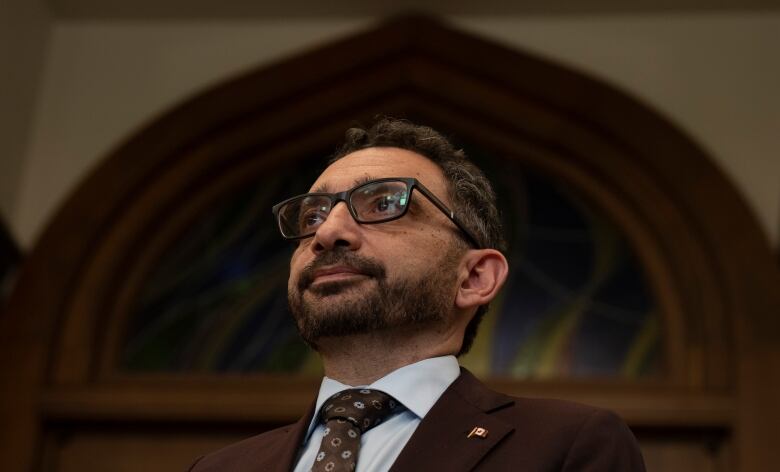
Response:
column 398, row 255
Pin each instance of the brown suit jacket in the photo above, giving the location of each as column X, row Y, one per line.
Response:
column 528, row 435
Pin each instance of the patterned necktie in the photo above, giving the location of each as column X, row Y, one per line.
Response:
column 347, row 415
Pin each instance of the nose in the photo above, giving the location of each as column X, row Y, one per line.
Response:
column 339, row 229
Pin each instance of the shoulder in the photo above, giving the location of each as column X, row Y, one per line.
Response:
column 573, row 436
column 556, row 434
column 564, row 420
column 249, row 454
column 536, row 414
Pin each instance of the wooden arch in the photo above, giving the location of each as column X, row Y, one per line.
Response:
column 706, row 257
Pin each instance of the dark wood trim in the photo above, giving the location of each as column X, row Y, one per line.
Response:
column 10, row 258
column 259, row 401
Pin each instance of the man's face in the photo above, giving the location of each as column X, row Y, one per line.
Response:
column 351, row 278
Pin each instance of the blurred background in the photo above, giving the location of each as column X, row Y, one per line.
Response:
column 634, row 150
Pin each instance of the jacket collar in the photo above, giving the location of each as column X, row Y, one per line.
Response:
column 289, row 446
column 442, row 442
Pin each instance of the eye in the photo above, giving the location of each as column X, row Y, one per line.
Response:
column 384, row 203
column 378, row 201
column 312, row 218
column 387, row 204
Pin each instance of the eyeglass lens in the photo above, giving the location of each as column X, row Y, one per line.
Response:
column 373, row 202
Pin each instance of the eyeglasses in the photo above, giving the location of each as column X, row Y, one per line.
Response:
column 376, row 201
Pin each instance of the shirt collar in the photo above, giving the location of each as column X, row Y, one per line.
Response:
column 417, row 386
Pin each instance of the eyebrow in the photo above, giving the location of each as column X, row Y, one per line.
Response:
column 324, row 188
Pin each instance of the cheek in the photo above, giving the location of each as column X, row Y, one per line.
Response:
column 413, row 257
column 295, row 266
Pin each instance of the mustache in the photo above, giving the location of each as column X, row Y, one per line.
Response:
column 342, row 257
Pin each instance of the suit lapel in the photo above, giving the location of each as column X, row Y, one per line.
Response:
column 288, row 453
column 441, row 440
column 279, row 453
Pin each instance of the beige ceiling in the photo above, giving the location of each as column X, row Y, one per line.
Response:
column 238, row 9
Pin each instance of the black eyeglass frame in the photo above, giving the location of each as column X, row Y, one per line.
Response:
column 345, row 196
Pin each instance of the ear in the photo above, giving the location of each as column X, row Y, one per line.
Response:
column 485, row 271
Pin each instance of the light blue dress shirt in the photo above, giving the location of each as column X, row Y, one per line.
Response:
column 417, row 386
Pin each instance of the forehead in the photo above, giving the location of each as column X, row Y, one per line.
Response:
column 379, row 162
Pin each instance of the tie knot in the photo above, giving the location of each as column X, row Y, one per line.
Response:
column 363, row 407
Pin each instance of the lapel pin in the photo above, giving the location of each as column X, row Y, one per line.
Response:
column 479, row 432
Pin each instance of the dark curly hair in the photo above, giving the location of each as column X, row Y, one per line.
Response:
column 470, row 192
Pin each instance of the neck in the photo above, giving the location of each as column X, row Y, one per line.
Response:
column 361, row 359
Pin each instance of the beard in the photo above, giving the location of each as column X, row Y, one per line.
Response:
column 372, row 303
